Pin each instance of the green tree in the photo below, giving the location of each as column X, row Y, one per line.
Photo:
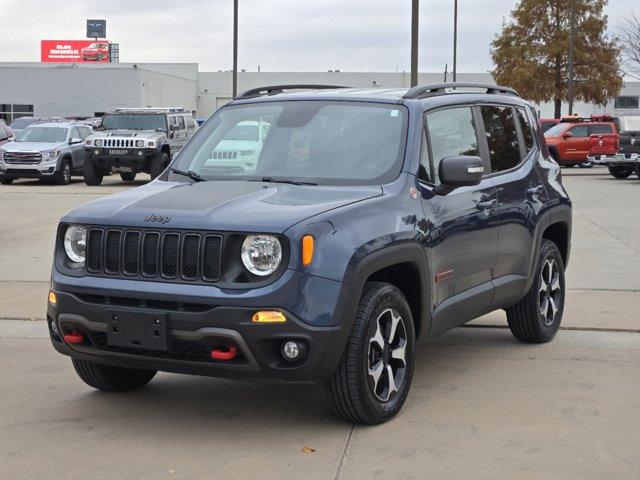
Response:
column 531, row 54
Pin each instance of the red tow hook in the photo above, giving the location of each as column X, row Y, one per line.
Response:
column 219, row 354
column 74, row 337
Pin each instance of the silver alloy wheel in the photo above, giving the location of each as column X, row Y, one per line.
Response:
column 386, row 356
column 66, row 172
column 549, row 297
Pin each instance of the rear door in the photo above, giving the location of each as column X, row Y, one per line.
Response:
column 461, row 224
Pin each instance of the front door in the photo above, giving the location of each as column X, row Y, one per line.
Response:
column 578, row 144
column 461, row 225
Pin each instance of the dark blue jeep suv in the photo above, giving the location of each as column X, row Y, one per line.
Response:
column 315, row 233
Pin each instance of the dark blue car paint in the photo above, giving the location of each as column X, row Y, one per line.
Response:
column 358, row 231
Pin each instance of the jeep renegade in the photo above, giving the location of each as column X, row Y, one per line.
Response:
column 372, row 218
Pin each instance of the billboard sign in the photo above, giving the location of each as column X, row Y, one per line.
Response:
column 96, row 28
column 75, row 51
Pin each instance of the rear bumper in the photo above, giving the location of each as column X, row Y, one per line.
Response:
column 617, row 159
column 193, row 330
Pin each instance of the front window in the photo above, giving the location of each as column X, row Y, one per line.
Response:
column 122, row 121
column 317, row 142
column 42, row 134
column 556, row 130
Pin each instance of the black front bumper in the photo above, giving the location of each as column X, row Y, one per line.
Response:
column 130, row 159
column 192, row 332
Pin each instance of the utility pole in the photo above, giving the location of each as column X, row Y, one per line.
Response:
column 415, row 7
column 572, row 41
column 455, row 38
column 235, row 47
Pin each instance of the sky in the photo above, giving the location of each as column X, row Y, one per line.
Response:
column 277, row 35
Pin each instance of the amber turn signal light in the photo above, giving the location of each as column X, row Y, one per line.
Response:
column 53, row 300
column 307, row 250
column 268, row 316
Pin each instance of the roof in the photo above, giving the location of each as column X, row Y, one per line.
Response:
column 149, row 110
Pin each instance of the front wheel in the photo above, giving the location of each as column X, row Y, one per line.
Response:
column 617, row 171
column 63, row 176
column 586, row 164
column 6, row 181
column 158, row 164
column 111, row 379
column 91, row 174
column 536, row 318
column 373, row 378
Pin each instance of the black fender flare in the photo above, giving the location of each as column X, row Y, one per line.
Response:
column 360, row 268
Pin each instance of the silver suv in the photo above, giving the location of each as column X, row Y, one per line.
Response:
column 46, row 151
column 132, row 140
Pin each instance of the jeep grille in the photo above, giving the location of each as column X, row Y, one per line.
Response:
column 118, row 142
column 178, row 256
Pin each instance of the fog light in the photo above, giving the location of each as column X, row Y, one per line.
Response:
column 293, row 351
column 140, row 153
column 96, row 152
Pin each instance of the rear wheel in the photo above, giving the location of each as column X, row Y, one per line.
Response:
column 111, row 379
column 586, row 164
column 63, row 176
column 373, row 378
column 618, row 171
column 158, row 164
column 91, row 174
column 6, row 181
column 128, row 176
column 536, row 318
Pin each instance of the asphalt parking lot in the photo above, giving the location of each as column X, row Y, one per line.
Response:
column 481, row 406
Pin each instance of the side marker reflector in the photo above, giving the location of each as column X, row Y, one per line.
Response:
column 219, row 354
column 307, row 250
column 268, row 317
column 53, row 299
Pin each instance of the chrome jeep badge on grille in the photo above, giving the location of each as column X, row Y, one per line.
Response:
column 158, row 219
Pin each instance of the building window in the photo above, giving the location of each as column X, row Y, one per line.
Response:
column 10, row 111
column 626, row 102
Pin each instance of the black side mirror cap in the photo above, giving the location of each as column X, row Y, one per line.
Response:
column 461, row 171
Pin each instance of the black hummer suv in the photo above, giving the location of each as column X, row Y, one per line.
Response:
column 371, row 218
column 133, row 140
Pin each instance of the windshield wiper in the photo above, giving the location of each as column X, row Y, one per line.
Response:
column 191, row 174
column 282, row 180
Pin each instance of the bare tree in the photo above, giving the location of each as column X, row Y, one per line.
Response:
column 629, row 34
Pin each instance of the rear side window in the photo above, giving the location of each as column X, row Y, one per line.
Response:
column 525, row 126
column 600, row 128
column 451, row 133
column 181, row 122
column 502, row 137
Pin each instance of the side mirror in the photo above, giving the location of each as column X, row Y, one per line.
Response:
column 75, row 141
column 567, row 135
column 461, row 171
column 174, row 127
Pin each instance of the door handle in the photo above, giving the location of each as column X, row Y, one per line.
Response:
column 487, row 205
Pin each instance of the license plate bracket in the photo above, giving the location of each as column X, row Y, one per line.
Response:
column 140, row 330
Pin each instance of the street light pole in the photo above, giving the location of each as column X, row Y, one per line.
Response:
column 235, row 47
column 572, row 41
column 415, row 6
column 455, row 38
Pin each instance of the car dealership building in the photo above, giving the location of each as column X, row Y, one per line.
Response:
column 88, row 89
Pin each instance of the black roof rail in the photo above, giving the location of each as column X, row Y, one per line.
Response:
column 422, row 91
column 275, row 89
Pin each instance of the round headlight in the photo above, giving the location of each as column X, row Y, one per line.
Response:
column 98, row 143
column 75, row 243
column 261, row 254
column 139, row 143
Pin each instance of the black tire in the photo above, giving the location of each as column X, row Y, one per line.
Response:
column 128, row 176
column 586, row 164
column 63, row 176
column 620, row 172
column 111, row 379
column 6, row 181
column 526, row 320
column 158, row 163
column 91, row 174
column 100, row 57
column 353, row 393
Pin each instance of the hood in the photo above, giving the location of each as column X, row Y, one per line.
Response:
column 31, row 146
column 222, row 205
column 126, row 133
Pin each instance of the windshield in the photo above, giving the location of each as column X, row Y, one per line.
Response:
column 22, row 122
column 556, row 130
column 306, row 141
column 121, row 121
column 42, row 134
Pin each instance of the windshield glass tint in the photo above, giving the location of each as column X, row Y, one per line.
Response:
column 308, row 141
column 556, row 130
column 42, row 134
column 122, row 121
